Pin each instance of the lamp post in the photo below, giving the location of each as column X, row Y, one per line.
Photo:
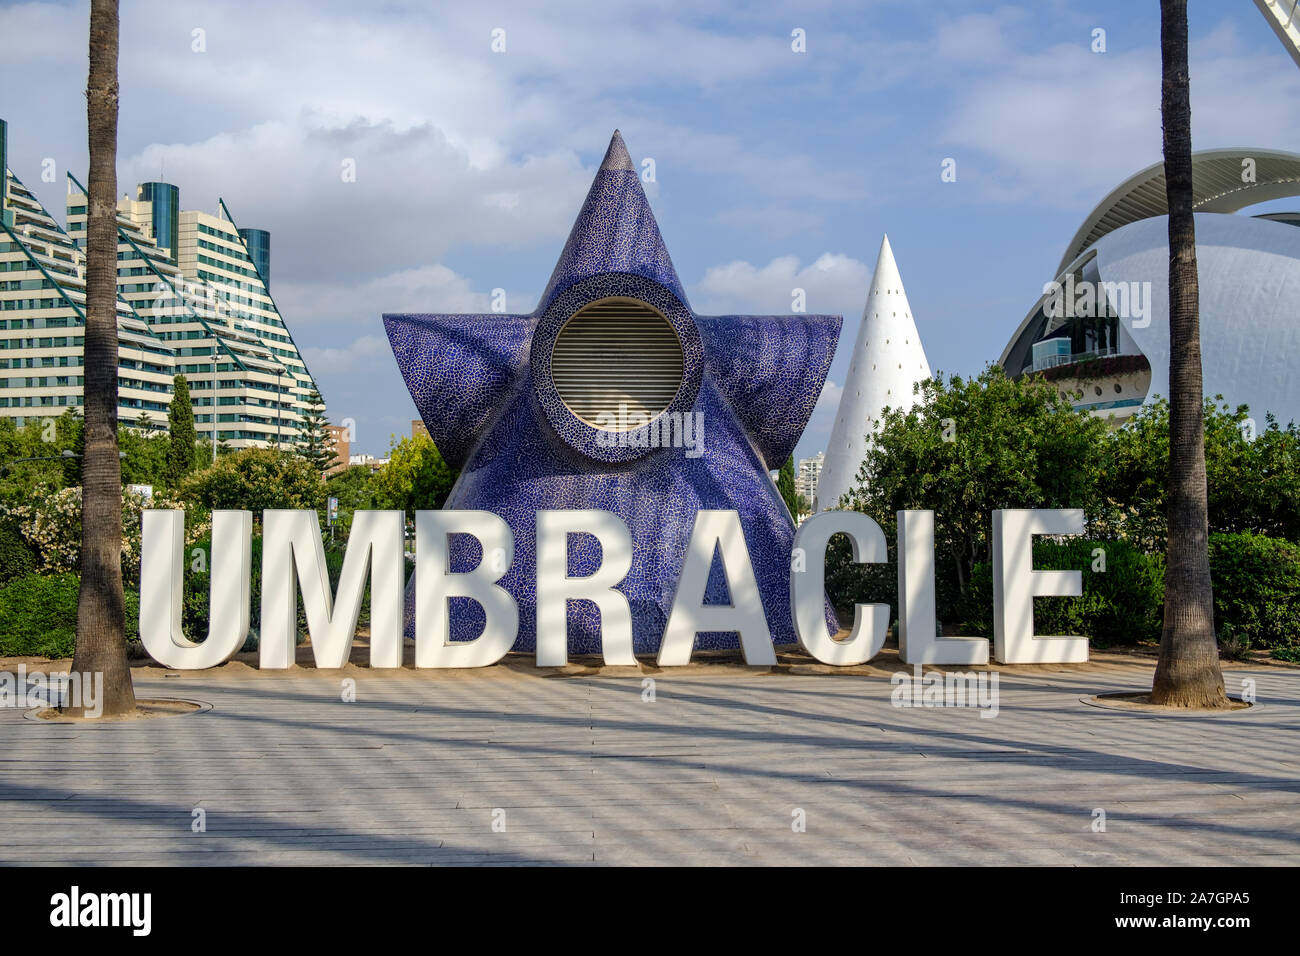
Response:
column 214, row 404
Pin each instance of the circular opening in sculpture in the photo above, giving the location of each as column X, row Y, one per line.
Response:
column 617, row 364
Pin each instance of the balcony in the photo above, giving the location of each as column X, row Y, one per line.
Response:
column 1042, row 362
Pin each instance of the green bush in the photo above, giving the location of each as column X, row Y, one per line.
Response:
column 17, row 558
column 255, row 479
column 198, row 585
column 848, row 583
column 1122, row 605
column 1257, row 591
column 38, row 616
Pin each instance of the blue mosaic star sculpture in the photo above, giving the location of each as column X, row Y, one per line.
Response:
column 482, row 384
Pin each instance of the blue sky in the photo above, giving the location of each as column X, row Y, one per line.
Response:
column 774, row 169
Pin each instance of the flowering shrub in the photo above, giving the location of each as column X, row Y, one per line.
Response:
column 52, row 526
column 198, row 519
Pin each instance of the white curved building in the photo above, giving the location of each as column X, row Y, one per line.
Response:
column 1115, row 358
column 888, row 361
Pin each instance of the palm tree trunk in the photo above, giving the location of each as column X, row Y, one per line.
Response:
column 101, row 639
column 1188, row 674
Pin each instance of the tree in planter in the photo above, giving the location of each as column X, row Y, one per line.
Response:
column 1188, row 672
column 182, row 437
column 785, row 485
column 314, row 441
column 101, row 617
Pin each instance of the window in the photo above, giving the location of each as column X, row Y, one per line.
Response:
column 617, row 358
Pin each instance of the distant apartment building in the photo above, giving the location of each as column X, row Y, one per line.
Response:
column 370, row 461
column 192, row 299
column 339, row 436
column 805, row 479
column 418, row 428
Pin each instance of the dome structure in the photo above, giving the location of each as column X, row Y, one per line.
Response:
column 1112, row 357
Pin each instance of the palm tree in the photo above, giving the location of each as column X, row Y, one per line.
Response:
column 1188, row 674
column 101, row 639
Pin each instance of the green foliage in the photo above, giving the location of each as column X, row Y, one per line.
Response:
column 255, row 479
column 181, row 434
column 314, row 441
column 146, row 457
column 38, row 616
column 969, row 447
column 51, row 525
column 24, row 481
column 1252, row 485
column 1123, row 604
column 785, row 485
column 195, row 606
column 1257, row 591
column 17, row 557
column 415, row 478
column 145, row 461
column 352, row 487
column 848, row 583
column 198, row 584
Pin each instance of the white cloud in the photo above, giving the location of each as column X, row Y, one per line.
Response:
column 833, row 283
column 975, row 37
column 830, row 396
column 433, row 288
column 359, row 354
column 1063, row 126
column 415, row 194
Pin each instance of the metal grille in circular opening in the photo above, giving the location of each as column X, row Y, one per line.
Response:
column 616, row 364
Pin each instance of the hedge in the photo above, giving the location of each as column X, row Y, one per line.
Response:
column 1257, row 591
column 38, row 616
column 1256, row 594
column 1122, row 604
column 17, row 558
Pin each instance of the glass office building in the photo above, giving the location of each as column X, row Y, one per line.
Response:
column 164, row 201
column 258, row 244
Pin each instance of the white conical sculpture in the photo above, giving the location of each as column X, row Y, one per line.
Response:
column 887, row 361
